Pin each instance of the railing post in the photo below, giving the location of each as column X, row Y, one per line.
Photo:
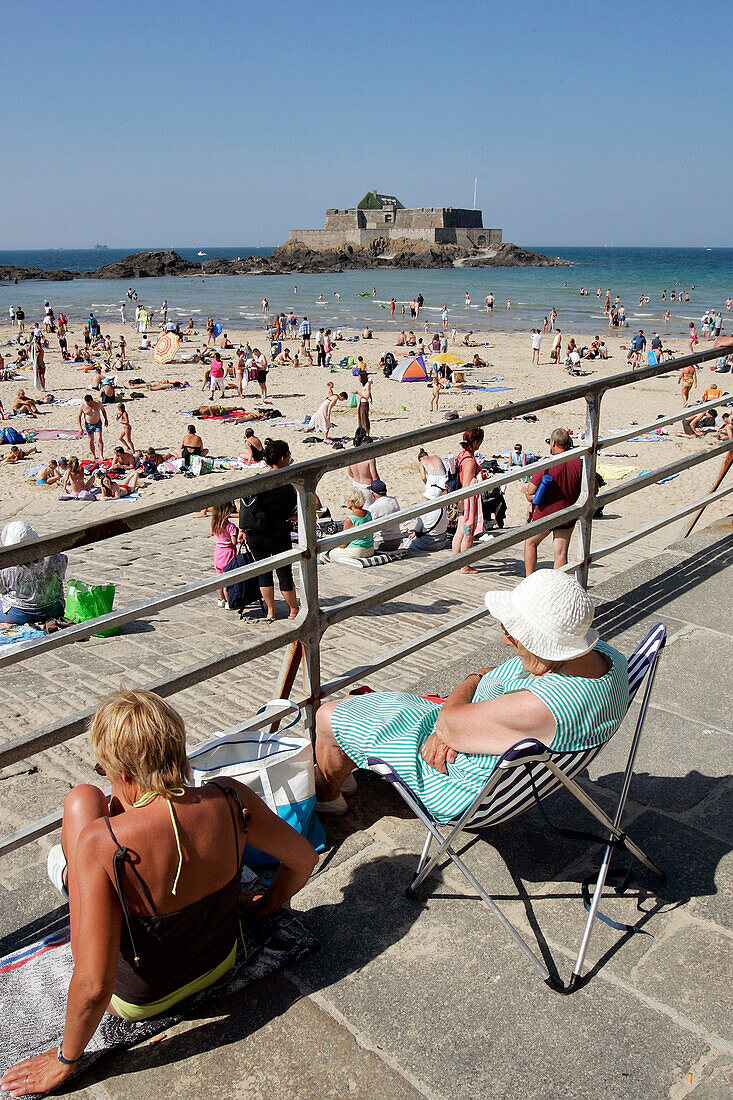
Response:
column 588, row 486
column 310, row 618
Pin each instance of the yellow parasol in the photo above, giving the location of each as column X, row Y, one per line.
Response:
column 447, row 358
column 166, row 348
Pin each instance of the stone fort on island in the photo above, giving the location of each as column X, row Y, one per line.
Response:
column 383, row 216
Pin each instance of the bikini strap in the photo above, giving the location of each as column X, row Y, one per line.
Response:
column 123, row 856
column 229, row 793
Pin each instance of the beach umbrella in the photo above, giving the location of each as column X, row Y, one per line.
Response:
column 166, row 347
column 411, row 370
column 447, row 358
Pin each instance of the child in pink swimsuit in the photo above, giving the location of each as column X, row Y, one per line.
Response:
column 225, row 534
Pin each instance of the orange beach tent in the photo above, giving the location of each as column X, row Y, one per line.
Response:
column 412, row 370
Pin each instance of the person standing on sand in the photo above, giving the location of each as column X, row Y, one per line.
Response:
column 693, row 337
column 365, row 399
column 536, row 342
column 688, row 378
column 562, row 491
column 556, row 345
column 471, row 519
column 91, row 415
column 125, row 435
column 38, row 360
column 216, row 377
column 305, row 333
column 436, row 390
column 261, row 364
column 122, row 314
column 241, row 371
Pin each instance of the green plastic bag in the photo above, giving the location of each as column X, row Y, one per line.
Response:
column 88, row 601
column 352, row 401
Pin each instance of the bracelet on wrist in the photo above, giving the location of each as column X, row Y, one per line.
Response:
column 67, row 1061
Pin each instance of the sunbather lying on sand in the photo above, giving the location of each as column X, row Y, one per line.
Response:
column 16, row 454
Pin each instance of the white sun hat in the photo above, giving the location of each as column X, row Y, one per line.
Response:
column 17, row 531
column 549, row 613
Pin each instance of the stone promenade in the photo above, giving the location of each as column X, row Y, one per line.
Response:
column 430, row 998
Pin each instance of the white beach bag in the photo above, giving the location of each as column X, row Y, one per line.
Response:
column 278, row 767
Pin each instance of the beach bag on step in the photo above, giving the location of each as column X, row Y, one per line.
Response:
column 276, row 766
column 89, row 601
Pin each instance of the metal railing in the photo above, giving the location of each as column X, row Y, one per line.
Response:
column 313, row 621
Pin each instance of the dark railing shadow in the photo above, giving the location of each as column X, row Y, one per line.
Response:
column 654, row 595
column 534, row 853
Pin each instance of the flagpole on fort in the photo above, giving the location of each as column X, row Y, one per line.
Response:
column 475, row 185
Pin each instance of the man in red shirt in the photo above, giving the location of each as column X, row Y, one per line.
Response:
column 562, row 492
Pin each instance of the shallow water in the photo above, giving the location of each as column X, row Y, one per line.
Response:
column 337, row 300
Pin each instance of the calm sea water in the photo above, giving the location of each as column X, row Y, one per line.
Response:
column 353, row 298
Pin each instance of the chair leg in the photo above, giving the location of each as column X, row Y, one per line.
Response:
column 424, row 854
column 577, row 974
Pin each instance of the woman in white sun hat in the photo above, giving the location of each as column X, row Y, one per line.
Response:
column 564, row 686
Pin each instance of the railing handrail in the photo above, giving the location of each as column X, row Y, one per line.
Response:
column 312, row 621
column 137, row 517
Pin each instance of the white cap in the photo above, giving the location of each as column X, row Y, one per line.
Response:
column 549, row 613
column 17, row 531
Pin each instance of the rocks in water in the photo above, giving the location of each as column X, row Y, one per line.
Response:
column 145, row 265
column 11, row 274
column 294, row 257
column 511, row 255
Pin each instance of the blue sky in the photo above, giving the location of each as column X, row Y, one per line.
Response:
column 230, row 123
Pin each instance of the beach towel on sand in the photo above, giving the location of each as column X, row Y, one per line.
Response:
column 34, row 980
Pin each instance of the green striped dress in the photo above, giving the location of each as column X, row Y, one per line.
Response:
column 393, row 726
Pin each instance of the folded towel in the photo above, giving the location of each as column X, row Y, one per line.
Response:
column 375, row 559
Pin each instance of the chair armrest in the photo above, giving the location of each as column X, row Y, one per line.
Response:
column 524, row 752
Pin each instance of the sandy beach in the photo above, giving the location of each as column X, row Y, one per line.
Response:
column 159, row 419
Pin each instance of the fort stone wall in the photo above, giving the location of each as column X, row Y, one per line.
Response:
column 431, row 224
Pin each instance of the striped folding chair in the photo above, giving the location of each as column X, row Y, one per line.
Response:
column 526, row 774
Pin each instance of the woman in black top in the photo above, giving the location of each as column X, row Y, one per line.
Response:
column 266, row 519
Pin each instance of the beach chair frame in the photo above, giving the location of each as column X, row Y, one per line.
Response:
column 525, row 775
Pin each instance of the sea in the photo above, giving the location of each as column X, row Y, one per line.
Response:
column 353, row 299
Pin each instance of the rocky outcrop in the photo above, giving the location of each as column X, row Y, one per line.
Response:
column 511, row 255
column 294, row 257
column 145, row 265
column 383, row 253
column 10, row 274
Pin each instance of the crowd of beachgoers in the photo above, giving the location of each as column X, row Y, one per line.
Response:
column 256, row 400
column 149, row 929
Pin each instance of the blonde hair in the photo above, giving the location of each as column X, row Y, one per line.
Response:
column 355, row 499
column 137, row 733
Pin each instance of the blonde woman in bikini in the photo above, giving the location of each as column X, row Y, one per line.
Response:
column 688, row 378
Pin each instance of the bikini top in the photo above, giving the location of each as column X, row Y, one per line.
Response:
column 162, row 952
